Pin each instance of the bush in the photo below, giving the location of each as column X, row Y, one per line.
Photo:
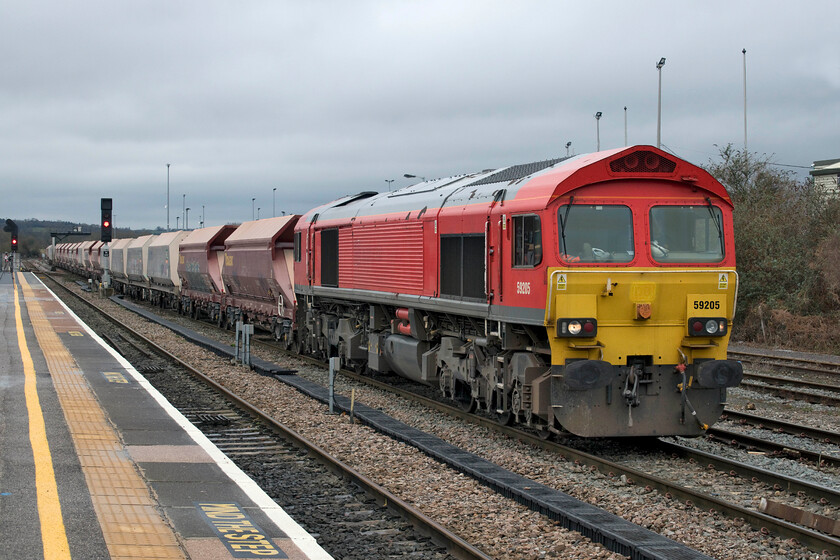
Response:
column 786, row 246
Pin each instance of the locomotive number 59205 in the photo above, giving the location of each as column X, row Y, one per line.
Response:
column 706, row 305
column 523, row 288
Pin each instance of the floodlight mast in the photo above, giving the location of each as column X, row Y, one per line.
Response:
column 659, row 66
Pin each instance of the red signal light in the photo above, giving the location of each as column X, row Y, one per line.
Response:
column 14, row 241
column 106, row 223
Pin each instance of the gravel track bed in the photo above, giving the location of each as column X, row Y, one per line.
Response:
column 345, row 521
column 506, row 529
column 499, row 526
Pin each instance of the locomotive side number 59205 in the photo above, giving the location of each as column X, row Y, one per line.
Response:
column 523, row 288
column 706, row 305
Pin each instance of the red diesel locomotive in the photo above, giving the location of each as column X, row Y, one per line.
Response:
column 590, row 294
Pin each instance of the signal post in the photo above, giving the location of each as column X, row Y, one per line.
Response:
column 106, row 224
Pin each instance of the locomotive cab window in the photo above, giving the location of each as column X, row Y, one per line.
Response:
column 527, row 241
column 595, row 233
column 686, row 234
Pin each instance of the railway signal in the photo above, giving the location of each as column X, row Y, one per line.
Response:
column 106, row 223
column 12, row 228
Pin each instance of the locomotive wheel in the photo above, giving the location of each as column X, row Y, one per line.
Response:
column 505, row 418
column 543, row 432
column 508, row 417
column 467, row 405
column 464, row 398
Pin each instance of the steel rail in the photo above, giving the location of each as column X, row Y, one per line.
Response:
column 795, row 394
column 782, row 426
column 814, row 365
column 771, row 379
column 427, row 526
column 791, row 452
column 777, row 481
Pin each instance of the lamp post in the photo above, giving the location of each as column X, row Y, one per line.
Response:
column 598, row 131
column 253, row 206
column 184, row 210
column 258, row 212
column 389, row 181
column 568, row 145
column 744, row 52
column 410, row 176
column 273, row 205
column 167, row 196
column 187, row 219
column 659, row 66
column 625, row 125
column 202, row 215
column 177, row 218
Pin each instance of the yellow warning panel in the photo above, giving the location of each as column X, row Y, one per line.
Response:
column 114, row 377
column 235, row 528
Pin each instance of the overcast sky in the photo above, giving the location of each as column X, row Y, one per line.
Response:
column 323, row 98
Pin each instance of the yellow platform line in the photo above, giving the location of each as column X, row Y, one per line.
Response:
column 53, row 535
column 131, row 524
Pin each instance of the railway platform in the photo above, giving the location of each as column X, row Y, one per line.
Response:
column 94, row 463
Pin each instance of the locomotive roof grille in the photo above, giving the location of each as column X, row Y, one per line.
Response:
column 643, row 161
column 517, row 172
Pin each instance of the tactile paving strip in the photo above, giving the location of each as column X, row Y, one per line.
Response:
column 131, row 524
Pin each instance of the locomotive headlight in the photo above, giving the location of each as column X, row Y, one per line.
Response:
column 582, row 328
column 705, row 326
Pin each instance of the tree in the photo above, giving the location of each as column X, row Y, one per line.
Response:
column 781, row 224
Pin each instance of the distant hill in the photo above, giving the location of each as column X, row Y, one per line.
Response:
column 35, row 235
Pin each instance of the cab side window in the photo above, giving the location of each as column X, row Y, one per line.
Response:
column 527, row 241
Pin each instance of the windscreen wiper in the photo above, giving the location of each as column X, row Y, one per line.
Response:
column 563, row 223
column 715, row 218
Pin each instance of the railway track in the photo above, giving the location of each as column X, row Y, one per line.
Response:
column 616, row 469
column 816, row 434
column 811, row 378
column 782, row 359
column 795, row 394
column 813, row 539
column 640, row 478
column 770, row 447
column 268, row 451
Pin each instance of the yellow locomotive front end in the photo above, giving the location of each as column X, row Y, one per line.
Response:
column 640, row 352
